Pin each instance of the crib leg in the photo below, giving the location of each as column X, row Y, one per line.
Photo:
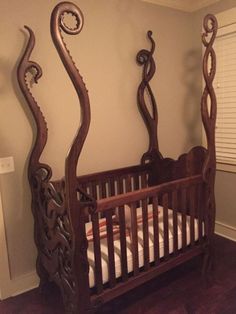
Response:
column 43, row 276
column 208, row 265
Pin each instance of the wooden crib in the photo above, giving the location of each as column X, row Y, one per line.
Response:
column 100, row 235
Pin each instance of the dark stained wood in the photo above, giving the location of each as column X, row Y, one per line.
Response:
column 145, row 235
column 156, row 231
column 97, row 253
column 118, row 200
column 179, row 291
column 192, row 214
column 145, row 58
column 165, row 224
column 175, row 221
column 110, row 248
column 183, row 205
column 134, row 239
column 123, row 245
column 62, row 208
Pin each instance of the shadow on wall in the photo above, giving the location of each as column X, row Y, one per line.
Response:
column 192, row 101
column 4, row 69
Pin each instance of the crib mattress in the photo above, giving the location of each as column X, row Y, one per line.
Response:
column 117, row 250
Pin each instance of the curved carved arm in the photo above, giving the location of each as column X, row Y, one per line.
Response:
column 57, row 26
column 145, row 58
column 26, row 66
column 208, row 110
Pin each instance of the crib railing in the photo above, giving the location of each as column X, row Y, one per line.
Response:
column 182, row 203
column 115, row 182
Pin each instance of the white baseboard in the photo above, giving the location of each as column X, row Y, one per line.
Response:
column 225, row 230
column 20, row 285
column 24, row 283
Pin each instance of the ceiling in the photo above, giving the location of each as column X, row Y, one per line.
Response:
column 184, row 5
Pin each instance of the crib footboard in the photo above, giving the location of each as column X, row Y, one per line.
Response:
column 153, row 230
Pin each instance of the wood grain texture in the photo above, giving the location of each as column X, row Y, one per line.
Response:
column 180, row 291
column 62, row 208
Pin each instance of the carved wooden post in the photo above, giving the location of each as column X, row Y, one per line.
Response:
column 75, row 207
column 208, row 111
column 145, row 58
column 38, row 173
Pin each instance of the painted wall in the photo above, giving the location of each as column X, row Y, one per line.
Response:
column 105, row 53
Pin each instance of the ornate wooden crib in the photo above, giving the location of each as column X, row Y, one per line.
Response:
column 100, row 235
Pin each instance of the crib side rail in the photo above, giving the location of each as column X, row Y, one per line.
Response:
column 114, row 182
column 150, row 237
column 118, row 200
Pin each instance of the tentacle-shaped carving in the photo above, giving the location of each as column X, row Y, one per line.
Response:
column 26, row 66
column 58, row 25
column 38, row 173
column 74, row 204
column 208, row 108
column 145, row 58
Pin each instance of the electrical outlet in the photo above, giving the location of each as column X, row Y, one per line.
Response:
column 6, row 165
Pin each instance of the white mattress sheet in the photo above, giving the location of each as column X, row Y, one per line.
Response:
column 104, row 250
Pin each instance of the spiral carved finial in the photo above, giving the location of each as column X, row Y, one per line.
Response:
column 66, row 8
column 210, row 26
column 145, row 59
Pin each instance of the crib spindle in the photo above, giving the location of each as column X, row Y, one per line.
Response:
column 175, row 221
column 192, row 214
column 156, row 231
column 145, row 235
column 128, row 184
column 136, row 182
column 183, row 195
column 123, row 245
column 199, row 212
column 165, row 202
column 134, row 239
column 110, row 247
column 111, row 187
column 97, row 253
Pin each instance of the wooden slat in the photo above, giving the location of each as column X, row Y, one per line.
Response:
column 110, row 247
column 136, row 181
column 97, row 254
column 199, row 211
column 134, row 239
column 175, row 221
column 145, row 235
column 144, row 180
column 156, row 231
column 129, row 197
column 136, row 186
column 128, row 186
column 143, row 277
column 123, row 245
column 192, row 192
column 94, row 190
column 121, row 172
column 165, row 225
column 183, row 210
column 111, row 187
column 102, row 194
